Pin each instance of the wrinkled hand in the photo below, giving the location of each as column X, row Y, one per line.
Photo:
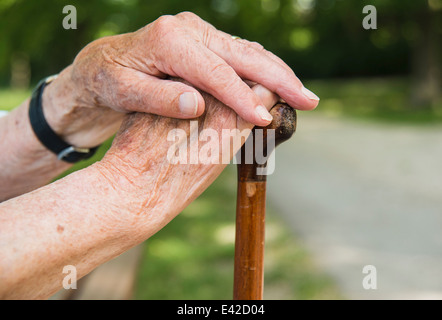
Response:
column 127, row 72
column 138, row 167
column 130, row 72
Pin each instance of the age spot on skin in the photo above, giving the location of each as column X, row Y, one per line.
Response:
column 60, row 229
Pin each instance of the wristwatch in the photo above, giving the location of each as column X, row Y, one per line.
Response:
column 47, row 136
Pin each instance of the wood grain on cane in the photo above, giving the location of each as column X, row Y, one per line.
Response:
column 250, row 211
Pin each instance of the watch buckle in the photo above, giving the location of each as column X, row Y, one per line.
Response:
column 70, row 150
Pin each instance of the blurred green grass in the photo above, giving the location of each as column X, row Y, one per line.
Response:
column 11, row 98
column 374, row 99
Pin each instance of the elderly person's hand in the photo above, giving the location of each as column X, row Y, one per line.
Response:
column 129, row 72
column 139, row 167
column 99, row 212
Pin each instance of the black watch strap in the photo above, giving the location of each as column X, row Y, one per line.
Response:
column 47, row 136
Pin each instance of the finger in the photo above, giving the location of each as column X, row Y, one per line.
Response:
column 139, row 92
column 207, row 28
column 207, row 71
column 260, row 48
column 258, row 66
column 268, row 99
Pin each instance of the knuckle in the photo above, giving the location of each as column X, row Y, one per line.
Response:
column 248, row 50
column 187, row 15
column 164, row 23
column 257, row 46
column 224, row 76
column 251, row 47
column 164, row 30
column 220, row 70
column 193, row 20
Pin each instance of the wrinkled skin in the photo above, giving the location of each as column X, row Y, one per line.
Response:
column 137, row 161
column 129, row 72
column 97, row 213
column 132, row 66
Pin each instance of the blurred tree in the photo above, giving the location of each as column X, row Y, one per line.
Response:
column 427, row 55
column 419, row 23
column 318, row 38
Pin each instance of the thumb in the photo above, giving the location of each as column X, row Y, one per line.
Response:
column 149, row 94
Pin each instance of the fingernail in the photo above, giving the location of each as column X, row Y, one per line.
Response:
column 263, row 113
column 188, row 103
column 309, row 94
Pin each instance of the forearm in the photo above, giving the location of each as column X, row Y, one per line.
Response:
column 26, row 163
column 97, row 213
column 74, row 221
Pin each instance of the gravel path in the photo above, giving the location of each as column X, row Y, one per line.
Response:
column 361, row 194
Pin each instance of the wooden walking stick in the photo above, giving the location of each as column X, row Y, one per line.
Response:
column 250, row 209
